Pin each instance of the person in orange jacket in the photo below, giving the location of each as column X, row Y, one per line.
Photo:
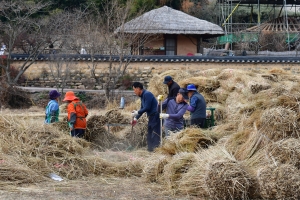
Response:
column 77, row 113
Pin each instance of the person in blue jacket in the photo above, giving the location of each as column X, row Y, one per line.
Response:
column 52, row 109
column 197, row 106
column 175, row 109
column 149, row 106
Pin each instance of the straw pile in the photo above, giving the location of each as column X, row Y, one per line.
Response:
column 279, row 182
column 279, row 123
column 217, row 175
column 179, row 165
column 29, row 153
column 154, row 166
column 187, row 140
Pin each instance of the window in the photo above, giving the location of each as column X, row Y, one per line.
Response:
column 171, row 45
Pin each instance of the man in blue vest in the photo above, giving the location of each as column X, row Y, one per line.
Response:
column 197, row 106
column 149, row 106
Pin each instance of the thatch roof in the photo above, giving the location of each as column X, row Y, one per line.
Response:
column 278, row 25
column 166, row 20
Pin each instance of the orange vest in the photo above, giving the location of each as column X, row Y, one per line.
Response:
column 77, row 113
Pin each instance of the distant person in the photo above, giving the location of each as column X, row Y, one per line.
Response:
column 149, row 106
column 197, row 106
column 172, row 85
column 175, row 109
column 77, row 113
column 52, row 109
column 2, row 49
column 83, row 51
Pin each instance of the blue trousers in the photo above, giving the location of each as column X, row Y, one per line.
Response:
column 77, row 133
column 199, row 122
column 153, row 136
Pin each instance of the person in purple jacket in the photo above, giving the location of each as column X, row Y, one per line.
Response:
column 176, row 107
column 197, row 106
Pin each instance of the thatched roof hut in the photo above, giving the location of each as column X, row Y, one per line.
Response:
column 166, row 20
column 169, row 32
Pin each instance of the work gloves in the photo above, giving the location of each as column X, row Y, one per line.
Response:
column 163, row 115
column 160, row 98
column 134, row 122
column 134, row 113
column 71, row 126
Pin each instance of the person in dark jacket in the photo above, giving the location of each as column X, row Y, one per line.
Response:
column 149, row 106
column 175, row 109
column 172, row 85
column 197, row 106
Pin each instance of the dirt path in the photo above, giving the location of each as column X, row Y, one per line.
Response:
column 108, row 188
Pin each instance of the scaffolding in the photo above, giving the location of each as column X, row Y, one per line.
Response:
column 227, row 9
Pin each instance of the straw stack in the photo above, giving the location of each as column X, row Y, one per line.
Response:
column 214, row 175
column 279, row 182
column 187, row 140
column 154, row 166
column 279, row 123
column 179, row 165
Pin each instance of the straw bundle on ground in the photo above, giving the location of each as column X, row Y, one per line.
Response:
column 154, row 166
column 12, row 172
column 217, row 175
column 137, row 135
column 99, row 166
column 62, row 125
column 279, row 123
column 187, row 140
column 204, row 84
column 227, row 180
column 179, row 165
column 281, row 152
column 97, row 134
column 256, row 87
column 279, row 182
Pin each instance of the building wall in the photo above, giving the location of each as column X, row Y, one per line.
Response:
column 186, row 44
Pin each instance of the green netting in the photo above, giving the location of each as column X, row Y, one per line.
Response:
column 238, row 37
column 292, row 37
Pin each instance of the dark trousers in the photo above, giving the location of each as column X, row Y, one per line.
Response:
column 153, row 136
column 77, row 133
column 199, row 122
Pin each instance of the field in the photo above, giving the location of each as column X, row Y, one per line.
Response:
column 253, row 152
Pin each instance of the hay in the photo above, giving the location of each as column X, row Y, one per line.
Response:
column 227, row 180
column 154, row 166
column 277, row 153
column 217, row 175
column 187, row 140
column 279, row 182
column 179, row 165
column 203, row 84
column 279, row 123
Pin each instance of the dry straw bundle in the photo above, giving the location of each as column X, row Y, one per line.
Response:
column 279, row 123
column 204, row 84
column 154, row 166
column 96, row 132
column 279, row 182
column 285, row 151
column 99, row 166
column 179, row 165
column 187, row 140
column 216, row 175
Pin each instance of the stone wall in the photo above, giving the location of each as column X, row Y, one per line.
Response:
column 77, row 75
